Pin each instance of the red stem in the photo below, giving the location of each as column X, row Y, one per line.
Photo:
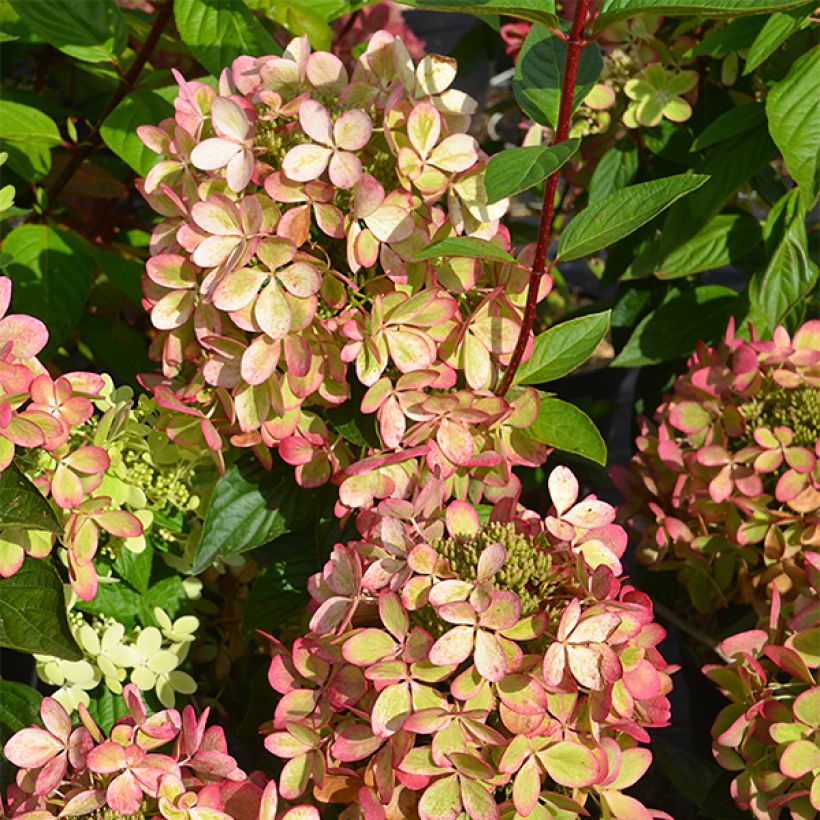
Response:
column 575, row 45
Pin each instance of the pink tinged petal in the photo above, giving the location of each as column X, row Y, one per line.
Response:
column 424, row 128
column 563, row 489
column 595, row 629
column 490, row 660
column 259, row 360
column 272, row 312
column 329, row 615
column 585, row 665
column 392, row 423
column 301, row 279
column 84, row 803
column 367, row 197
column 721, row 486
column 768, row 461
column 326, row 71
column 478, row 366
column 366, row 249
column 306, row 162
column 345, row 169
column 214, row 250
column 66, row 487
column 240, row 170
column 490, row 561
column 50, row 776
column 456, row 441
column 295, row 225
column 352, row 130
column 712, row 456
column 27, row 335
column 218, row 216
column 5, row 294
column 106, row 758
column 368, row 646
column 455, row 154
column 55, row 719
column 435, row 74
column 527, row 787
column 799, row 758
column 462, row 519
column 173, row 310
column 590, row 514
column 330, row 220
column 11, row 558
column 453, row 647
column 31, row 748
column 570, row 764
column 214, row 153
column 479, row 804
column 522, row 694
column 229, row 119
column 83, row 579
column 412, row 350
column 269, row 802
column 124, row 794
column 171, row 271
column 789, row 486
column 441, row 800
column 390, row 223
column 390, row 710
column 120, row 523
column 316, row 123
column 554, row 665
column 237, row 289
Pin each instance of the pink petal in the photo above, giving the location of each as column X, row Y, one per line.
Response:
column 175, row 308
column 345, row 169
column 326, row 72
column 490, row 660
column 452, row 647
column 272, row 312
column 237, row 289
column 260, row 360
column 27, row 335
column 31, row 748
column 301, row 279
column 171, row 271
column 106, row 758
column 352, row 130
column 217, row 216
column 55, row 719
column 315, row 122
column 455, row 154
column 390, row 223
column 120, row 523
column 424, row 128
column 563, row 489
column 214, row 250
column 306, row 162
column 124, row 794
column 229, row 119
column 240, row 170
column 214, row 153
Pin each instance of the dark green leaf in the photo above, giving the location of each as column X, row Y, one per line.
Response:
column 615, row 170
column 613, row 10
column 251, row 506
column 562, row 348
column 115, row 600
column 117, row 348
column 736, row 35
column 135, row 567
column 519, row 169
column 467, row 246
column 52, row 273
column 219, row 31
column 167, row 594
column 620, row 213
column 730, row 124
column 683, row 318
column 22, row 505
column 568, row 428
column 539, row 74
column 107, row 708
column 33, row 613
column 778, row 28
column 28, row 135
column 793, row 109
column 690, row 775
column 19, row 708
column 89, row 30
column 119, row 131
column 536, row 11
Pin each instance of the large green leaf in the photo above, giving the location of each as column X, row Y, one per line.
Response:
column 793, row 109
column 91, row 30
column 519, row 169
column 566, row 427
column 615, row 170
column 620, row 213
column 539, row 74
column 19, row 708
column 23, row 505
column 52, row 273
column 613, row 10
column 28, row 135
column 33, row 612
column 729, row 124
column 682, row 319
column 468, row 246
column 107, row 708
column 251, row 506
column 562, row 348
column 536, row 11
column 219, row 31
column 790, row 275
column 777, row 29
column 115, row 600
column 119, row 131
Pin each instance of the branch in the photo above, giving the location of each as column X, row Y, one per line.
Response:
column 126, row 85
column 575, row 45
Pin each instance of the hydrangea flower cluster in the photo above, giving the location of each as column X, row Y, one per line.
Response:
column 726, row 483
column 453, row 669
column 285, row 279
column 149, row 657
column 770, row 733
column 166, row 765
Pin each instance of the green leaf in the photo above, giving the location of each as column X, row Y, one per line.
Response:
column 219, row 31
column 135, row 567
column 118, row 348
column 777, row 29
column 613, row 10
column 790, row 275
column 119, row 131
column 539, row 74
column 736, row 35
column 682, row 319
column 467, row 246
column 116, row 600
column 620, row 213
column 615, row 170
column 23, row 505
column 536, row 11
column 107, row 708
column 688, row 773
column 90, row 30
column 28, row 135
column 562, row 348
column 519, row 169
column 52, row 273
column 299, row 19
column 251, row 506
column 730, row 124
column 793, row 109
column 725, row 240
column 167, row 594
column 277, row 593
column 566, row 427
column 33, row 612
column 19, row 708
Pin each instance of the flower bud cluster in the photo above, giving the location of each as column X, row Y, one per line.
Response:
column 726, row 483
column 454, row 669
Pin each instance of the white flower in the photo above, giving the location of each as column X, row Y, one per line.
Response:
column 74, row 678
column 110, row 653
column 152, row 660
column 179, row 631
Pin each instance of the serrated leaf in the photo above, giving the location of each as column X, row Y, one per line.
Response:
column 33, row 612
column 793, row 109
column 777, row 29
column 536, row 11
column 613, row 10
column 23, row 505
column 539, row 73
column 90, row 30
column 135, row 567
column 605, row 221
column 468, row 246
column 682, row 319
column 119, row 131
column 251, row 506
column 167, row 594
column 562, row 348
column 615, row 170
column 19, row 708
column 566, row 427
column 115, row 600
column 730, row 124
column 519, row 169
column 219, row 31
column 28, row 135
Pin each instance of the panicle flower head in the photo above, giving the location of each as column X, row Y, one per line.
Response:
column 452, row 667
column 729, row 470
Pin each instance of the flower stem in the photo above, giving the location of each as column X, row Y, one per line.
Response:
column 575, row 45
